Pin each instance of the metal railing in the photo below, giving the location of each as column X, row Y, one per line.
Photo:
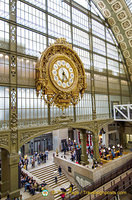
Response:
column 123, row 112
column 104, row 179
column 117, row 188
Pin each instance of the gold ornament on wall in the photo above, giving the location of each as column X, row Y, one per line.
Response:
column 60, row 75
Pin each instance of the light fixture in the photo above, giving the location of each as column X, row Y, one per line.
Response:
column 1, row 55
column 109, row 148
column 89, row 131
column 113, row 147
column 6, row 56
column 118, row 145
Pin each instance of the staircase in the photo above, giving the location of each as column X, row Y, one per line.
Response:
column 47, row 174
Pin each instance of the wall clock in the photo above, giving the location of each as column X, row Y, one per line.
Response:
column 60, row 75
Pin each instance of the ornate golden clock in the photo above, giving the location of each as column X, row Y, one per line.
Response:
column 60, row 75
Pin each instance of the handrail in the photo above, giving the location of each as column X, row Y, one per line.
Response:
column 104, row 179
column 114, row 188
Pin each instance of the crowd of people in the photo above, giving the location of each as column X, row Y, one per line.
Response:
column 111, row 150
column 39, row 157
column 75, row 149
column 27, row 182
column 30, row 184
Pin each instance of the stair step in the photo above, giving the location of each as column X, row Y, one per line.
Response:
column 47, row 174
column 53, row 164
column 58, row 197
column 67, row 190
column 51, row 182
column 48, row 178
column 45, row 170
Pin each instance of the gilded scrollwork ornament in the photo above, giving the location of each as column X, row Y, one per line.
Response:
column 60, row 75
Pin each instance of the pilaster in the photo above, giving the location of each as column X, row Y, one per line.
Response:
column 5, row 172
column 13, row 157
column 92, row 67
column 13, row 176
column 13, row 78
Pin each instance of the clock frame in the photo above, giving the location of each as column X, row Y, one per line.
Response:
column 63, row 73
column 60, row 75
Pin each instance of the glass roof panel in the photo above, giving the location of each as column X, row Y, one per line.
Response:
column 129, row 4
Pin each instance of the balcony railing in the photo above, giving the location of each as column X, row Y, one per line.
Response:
column 123, row 112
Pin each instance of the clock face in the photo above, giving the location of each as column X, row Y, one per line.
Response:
column 63, row 74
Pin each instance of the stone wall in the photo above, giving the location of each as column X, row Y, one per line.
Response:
column 84, row 175
column 59, row 135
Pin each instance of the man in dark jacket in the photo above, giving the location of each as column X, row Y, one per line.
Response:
column 59, row 170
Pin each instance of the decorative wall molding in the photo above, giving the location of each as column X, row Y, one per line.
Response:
column 25, row 135
column 119, row 18
column 5, row 140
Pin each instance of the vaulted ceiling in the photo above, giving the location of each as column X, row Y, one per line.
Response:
column 119, row 18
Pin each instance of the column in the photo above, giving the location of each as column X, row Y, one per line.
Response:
column 92, row 66
column 9, row 183
column 4, row 172
column 122, row 134
column 83, row 138
column 13, row 176
column 96, row 147
column 106, row 136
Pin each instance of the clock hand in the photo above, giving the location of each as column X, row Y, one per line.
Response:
column 63, row 76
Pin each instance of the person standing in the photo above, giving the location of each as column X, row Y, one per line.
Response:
column 8, row 198
column 63, row 195
column 59, row 170
column 71, row 188
column 46, row 152
column 53, row 156
column 55, row 175
column 38, row 159
column 44, row 157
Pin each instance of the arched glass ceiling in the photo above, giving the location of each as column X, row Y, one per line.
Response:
column 85, row 4
column 129, row 4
